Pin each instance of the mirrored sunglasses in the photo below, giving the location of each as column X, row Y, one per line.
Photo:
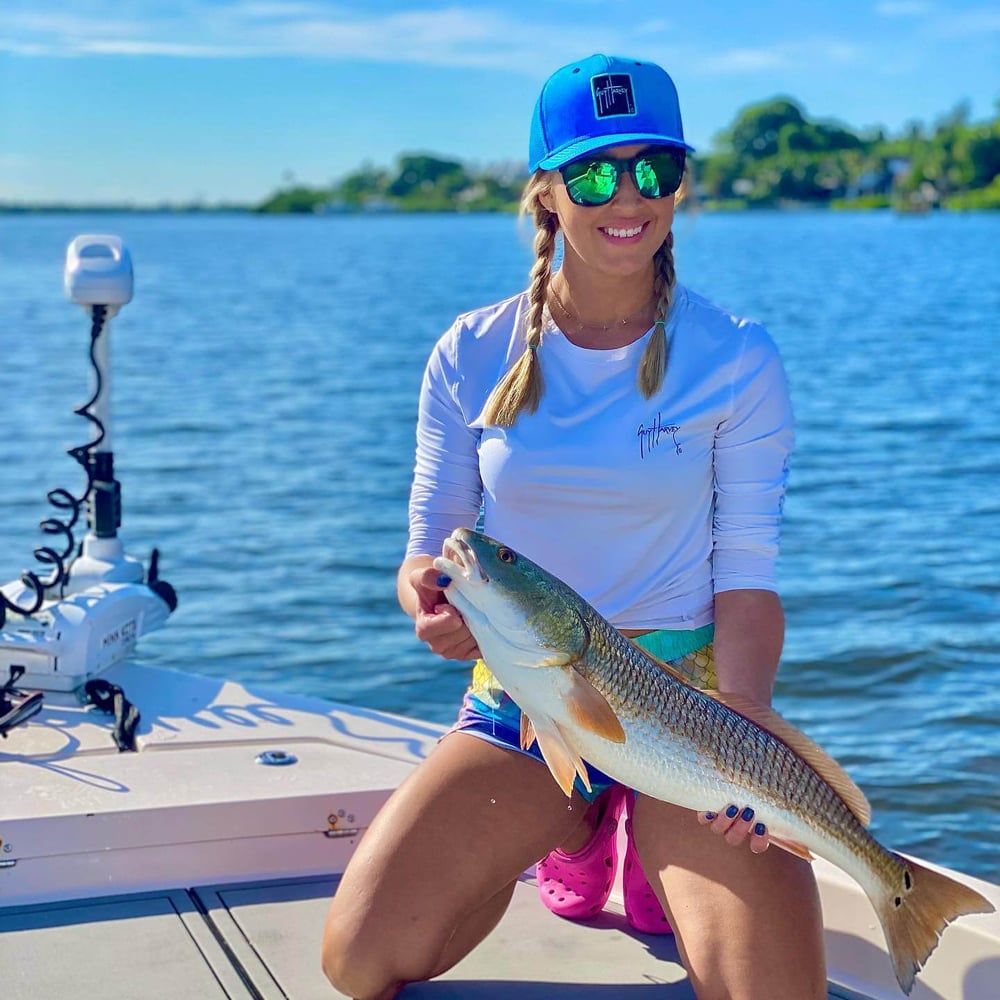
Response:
column 594, row 180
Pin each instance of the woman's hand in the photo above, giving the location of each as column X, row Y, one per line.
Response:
column 437, row 622
column 736, row 825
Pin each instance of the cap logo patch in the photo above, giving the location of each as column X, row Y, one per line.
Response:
column 613, row 95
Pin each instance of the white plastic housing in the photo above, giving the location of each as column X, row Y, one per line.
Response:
column 98, row 271
column 69, row 641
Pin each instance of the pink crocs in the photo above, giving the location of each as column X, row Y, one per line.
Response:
column 642, row 909
column 577, row 886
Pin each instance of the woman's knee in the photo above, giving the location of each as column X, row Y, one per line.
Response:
column 350, row 965
column 370, row 966
column 368, row 955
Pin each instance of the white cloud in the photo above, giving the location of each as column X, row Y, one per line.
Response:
column 469, row 36
column 970, row 23
column 126, row 47
column 277, row 10
column 743, row 61
column 654, row 27
column 456, row 36
column 786, row 56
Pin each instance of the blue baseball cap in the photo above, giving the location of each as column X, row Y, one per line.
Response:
column 599, row 102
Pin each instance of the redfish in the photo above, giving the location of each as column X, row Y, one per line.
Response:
column 587, row 693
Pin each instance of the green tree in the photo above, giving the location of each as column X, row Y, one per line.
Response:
column 755, row 132
column 299, row 200
column 363, row 185
column 424, row 173
column 772, row 153
column 984, row 154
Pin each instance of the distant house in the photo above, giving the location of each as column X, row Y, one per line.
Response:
column 899, row 167
column 333, row 206
column 379, row 203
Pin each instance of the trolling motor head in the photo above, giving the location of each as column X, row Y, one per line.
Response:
column 99, row 273
column 89, row 613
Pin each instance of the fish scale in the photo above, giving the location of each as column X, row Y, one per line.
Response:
column 756, row 768
column 743, row 754
column 592, row 695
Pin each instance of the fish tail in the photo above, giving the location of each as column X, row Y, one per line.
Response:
column 914, row 906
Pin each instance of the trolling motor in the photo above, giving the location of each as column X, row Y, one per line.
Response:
column 58, row 633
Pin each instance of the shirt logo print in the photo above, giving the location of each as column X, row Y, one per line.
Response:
column 650, row 437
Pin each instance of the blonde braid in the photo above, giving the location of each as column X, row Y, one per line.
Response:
column 653, row 366
column 522, row 387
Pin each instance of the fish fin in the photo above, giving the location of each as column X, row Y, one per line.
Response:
column 590, row 710
column 814, row 755
column 563, row 762
column 792, row 846
column 914, row 908
column 527, row 732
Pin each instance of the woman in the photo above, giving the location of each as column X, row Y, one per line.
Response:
column 631, row 438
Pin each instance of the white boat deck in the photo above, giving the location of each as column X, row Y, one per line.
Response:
column 190, row 870
column 262, row 940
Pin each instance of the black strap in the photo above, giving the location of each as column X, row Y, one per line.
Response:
column 13, row 713
column 111, row 698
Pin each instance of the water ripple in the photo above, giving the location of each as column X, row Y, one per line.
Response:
column 264, row 437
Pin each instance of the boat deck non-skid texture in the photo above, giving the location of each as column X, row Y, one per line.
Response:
column 262, row 940
column 117, row 948
column 531, row 955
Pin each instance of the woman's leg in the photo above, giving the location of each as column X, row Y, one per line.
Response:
column 748, row 925
column 435, row 871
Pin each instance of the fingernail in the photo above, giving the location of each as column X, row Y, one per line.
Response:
column 732, row 811
column 443, row 580
column 709, row 815
column 747, row 815
column 760, row 829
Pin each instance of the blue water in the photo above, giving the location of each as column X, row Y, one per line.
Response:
column 265, row 385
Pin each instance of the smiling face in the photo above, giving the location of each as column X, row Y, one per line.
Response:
column 617, row 239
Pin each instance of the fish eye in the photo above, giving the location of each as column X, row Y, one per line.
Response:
column 506, row 555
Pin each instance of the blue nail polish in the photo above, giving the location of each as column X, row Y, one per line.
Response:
column 709, row 815
column 732, row 811
column 760, row 829
column 747, row 815
column 443, row 580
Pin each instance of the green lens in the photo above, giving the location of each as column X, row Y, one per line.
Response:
column 592, row 182
column 646, row 179
column 659, row 174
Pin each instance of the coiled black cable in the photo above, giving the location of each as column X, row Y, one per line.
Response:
column 64, row 501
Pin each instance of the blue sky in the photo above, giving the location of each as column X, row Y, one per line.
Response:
column 143, row 101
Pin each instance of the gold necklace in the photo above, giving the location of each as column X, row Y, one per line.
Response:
column 603, row 327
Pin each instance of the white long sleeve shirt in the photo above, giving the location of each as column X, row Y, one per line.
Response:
column 647, row 508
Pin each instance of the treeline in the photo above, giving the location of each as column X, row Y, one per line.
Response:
column 420, row 182
column 771, row 156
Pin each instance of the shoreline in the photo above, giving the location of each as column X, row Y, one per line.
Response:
column 727, row 208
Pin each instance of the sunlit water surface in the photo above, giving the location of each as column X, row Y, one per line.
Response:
column 265, row 387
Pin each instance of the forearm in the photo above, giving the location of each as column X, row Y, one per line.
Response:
column 409, row 599
column 749, row 634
